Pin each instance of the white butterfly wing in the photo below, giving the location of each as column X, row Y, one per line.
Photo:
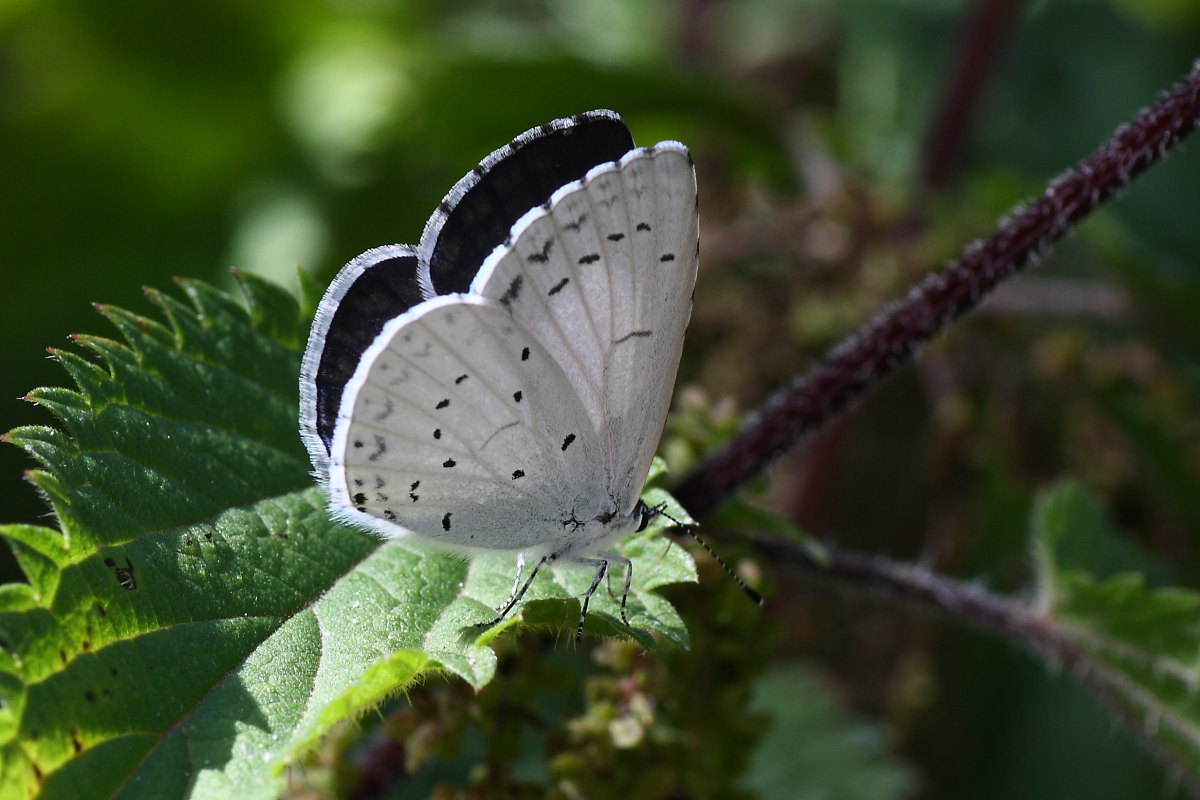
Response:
column 603, row 278
column 459, row 427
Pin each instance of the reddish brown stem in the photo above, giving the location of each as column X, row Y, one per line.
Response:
column 980, row 47
column 895, row 337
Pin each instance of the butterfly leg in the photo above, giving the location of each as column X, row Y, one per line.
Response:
column 517, row 578
column 620, row 559
column 601, row 566
column 518, row 593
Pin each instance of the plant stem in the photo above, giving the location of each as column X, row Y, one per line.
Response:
column 1053, row 643
column 898, row 334
column 984, row 37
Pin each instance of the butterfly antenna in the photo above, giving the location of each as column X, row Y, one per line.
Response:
column 690, row 530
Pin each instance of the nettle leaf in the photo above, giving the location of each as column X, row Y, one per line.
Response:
column 1143, row 639
column 198, row 621
column 813, row 748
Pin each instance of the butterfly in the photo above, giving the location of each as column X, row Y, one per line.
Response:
column 503, row 385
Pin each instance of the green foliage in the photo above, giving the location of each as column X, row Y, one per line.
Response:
column 178, row 138
column 197, row 621
column 813, row 751
column 615, row 722
column 1143, row 642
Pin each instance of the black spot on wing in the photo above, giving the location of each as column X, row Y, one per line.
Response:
column 543, row 255
column 517, row 395
column 518, row 473
column 633, row 335
column 590, row 258
column 380, row 448
column 512, row 292
column 667, row 257
column 388, row 409
column 460, row 379
column 567, row 441
column 524, row 353
column 448, row 463
column 643, row 226
column 615, row 237
column 558, row 287
column 446, row 521
column 576, row 224
column 442, row 403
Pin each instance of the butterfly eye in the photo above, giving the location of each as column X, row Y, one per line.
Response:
column 645, row 514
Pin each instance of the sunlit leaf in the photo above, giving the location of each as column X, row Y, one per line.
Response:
column 198, row 621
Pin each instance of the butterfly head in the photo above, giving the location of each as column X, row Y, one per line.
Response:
column 645, row 514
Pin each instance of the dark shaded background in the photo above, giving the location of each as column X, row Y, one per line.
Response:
column 142, row 140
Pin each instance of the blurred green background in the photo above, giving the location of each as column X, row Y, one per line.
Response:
column 143, row 140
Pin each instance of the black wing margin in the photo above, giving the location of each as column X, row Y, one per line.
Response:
column 478, row 213
column 375, row 287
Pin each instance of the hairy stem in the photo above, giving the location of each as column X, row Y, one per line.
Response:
column 1053, row 643
column 895, row 337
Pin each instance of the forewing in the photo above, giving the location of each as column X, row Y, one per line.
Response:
column 460, row 427
column 603, row 277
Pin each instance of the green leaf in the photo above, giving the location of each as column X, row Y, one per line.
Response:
column 1072, row 534
column 198, row 621
column 812, row 748
column 1143, row 642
